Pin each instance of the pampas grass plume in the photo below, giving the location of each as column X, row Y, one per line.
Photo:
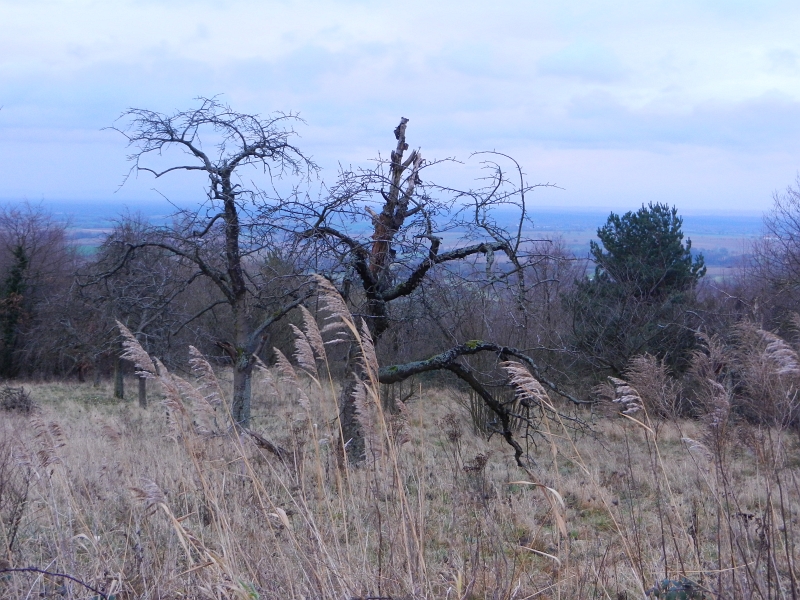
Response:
column 136, row 354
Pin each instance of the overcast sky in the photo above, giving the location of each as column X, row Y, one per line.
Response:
column 694, row 103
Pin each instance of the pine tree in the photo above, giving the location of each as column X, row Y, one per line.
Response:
column 11, row 310
column 643, row 285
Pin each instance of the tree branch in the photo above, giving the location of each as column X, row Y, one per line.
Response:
column 415, row 279
column 397, row 373
column 257, row 339
column 465, row 374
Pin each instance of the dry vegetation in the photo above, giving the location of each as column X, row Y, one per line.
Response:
column 102, row 499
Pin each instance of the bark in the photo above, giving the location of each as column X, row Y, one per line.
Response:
column 354, row 447
column 240, row 406
column 241, row 354
column 373, row 268
column 142, row 392
column 119, row 379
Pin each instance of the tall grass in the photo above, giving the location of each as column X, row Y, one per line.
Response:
column 101, row 499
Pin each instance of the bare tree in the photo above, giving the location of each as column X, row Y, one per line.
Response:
column 413, row 230
column 233, row 228
column 36, row 267
column 774, row 271
column 148, row 292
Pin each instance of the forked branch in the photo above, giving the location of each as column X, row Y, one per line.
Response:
column 448, row 361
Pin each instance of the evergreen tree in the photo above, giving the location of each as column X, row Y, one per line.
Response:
column 644, row 252
column 643, row 286
column 11, row 310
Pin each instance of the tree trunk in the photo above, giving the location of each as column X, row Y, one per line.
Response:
column 240, row 406
column 143, row 392
column 119, row 379
column 352, row 435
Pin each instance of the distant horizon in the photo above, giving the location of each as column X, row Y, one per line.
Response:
column 612, row 101
column 155, row 204
column 709, row 230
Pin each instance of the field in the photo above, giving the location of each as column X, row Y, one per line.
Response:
column 104, row 499
column 723, row 238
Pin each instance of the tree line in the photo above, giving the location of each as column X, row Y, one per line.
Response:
column 443, row 285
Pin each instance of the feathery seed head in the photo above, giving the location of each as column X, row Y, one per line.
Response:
column 313, row 334
column 333, row 304
column 526, row 385
column 136, row 354
column 303, row 352
column 209, row 384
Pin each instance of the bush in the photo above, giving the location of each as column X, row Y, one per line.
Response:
column 639, row 298
column 15, row 400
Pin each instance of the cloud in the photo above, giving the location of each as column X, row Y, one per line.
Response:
column 783, row 60
column 584, row 78
column 586, row 61
column 765, row 123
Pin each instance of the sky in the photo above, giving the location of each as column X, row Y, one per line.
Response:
column 619, row 103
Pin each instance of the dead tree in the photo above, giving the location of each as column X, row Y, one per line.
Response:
column 404, row 244
column 226, row 238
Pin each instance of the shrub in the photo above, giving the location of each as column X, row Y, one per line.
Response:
column 16, row 400
column 639, row 298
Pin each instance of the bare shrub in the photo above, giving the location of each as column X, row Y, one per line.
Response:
column 766, row 372
column 661, row 393
column 15, row 399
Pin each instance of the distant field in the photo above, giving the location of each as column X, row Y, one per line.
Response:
column 722, row 238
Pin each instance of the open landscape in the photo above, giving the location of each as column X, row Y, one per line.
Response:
column 111, row 500
column 481, row 400
column 453, row 300
column 722, row 238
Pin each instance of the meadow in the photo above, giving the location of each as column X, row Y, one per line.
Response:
column 105, row 499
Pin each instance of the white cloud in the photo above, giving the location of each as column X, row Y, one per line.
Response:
column 586, row 79
column 584, row 60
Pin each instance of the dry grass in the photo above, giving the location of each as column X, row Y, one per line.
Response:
column 125, row 504
column 170, row 502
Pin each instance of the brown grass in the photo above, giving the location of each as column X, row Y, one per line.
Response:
column 170, row 502
column 122, row 503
